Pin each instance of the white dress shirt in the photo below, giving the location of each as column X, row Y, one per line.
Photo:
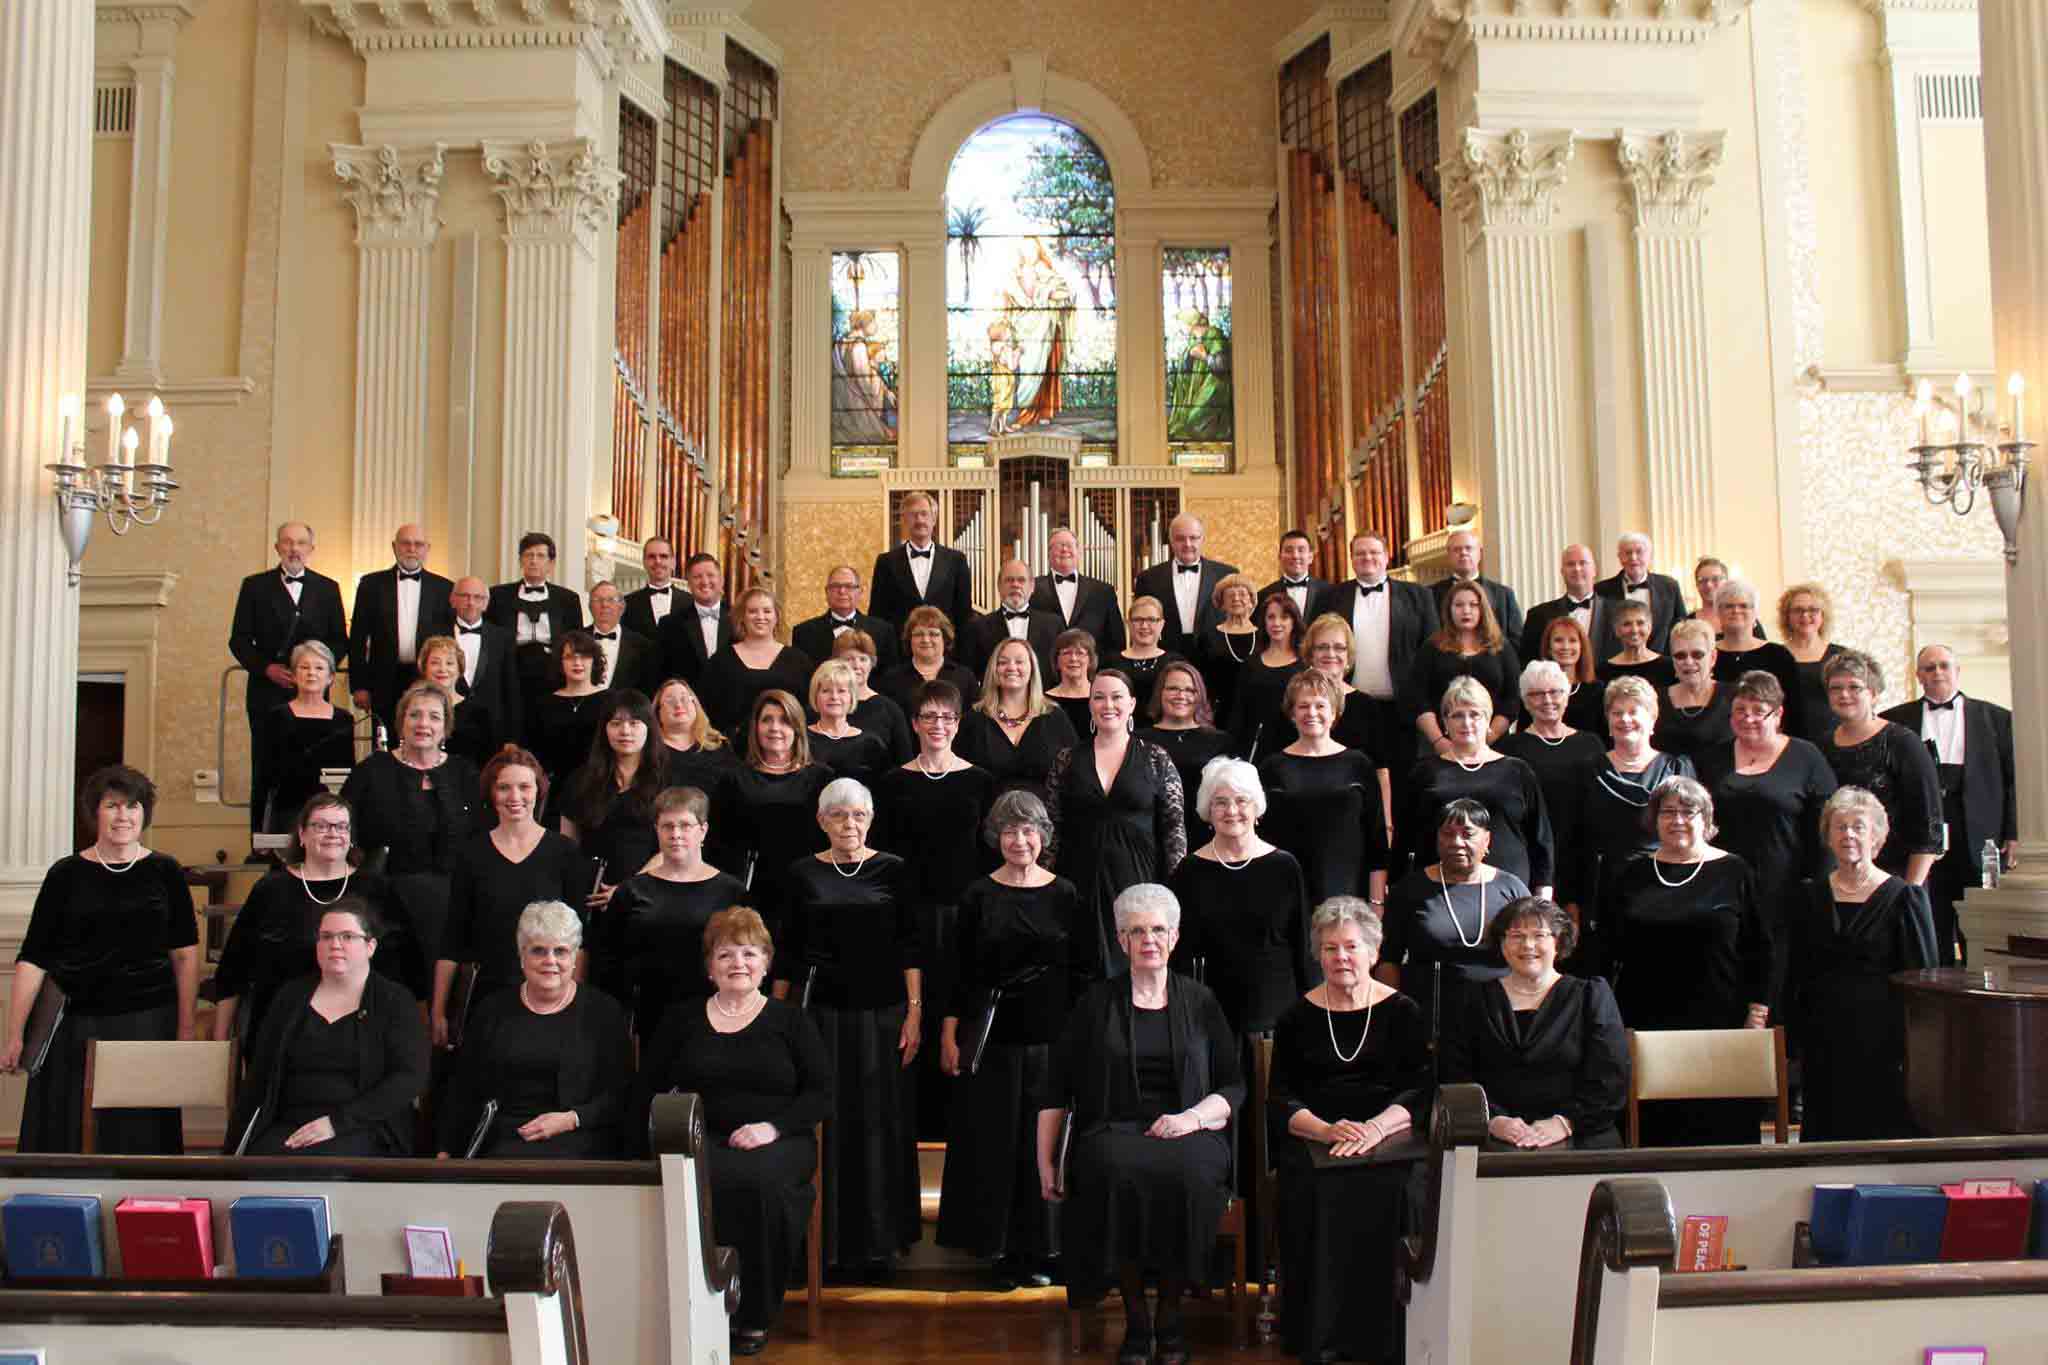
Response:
column 1187, row 595
column 408, row 618
column 1016, row 625
column 294, row 586
column 534, row 630
column 659, row 600
column 921, row 565
column 610, row 650
column 472, row 647
column 707, row 626
column 1299, row 592
column 1371, row 670
column 1066, row 593
column 1944, row 727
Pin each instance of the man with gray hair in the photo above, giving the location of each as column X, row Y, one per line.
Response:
column 1081, row 602
column 1635, row 583
column 1013, row 619
column 275, row 610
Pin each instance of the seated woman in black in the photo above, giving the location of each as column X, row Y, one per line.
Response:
column 1348, row 1087
column 554, row 1055
column 1549, row 1049
column 341, row 1057
column 1149, row 1073
column 765, row 1079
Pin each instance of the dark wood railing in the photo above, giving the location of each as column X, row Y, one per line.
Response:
column 1628, row 1223
column 675, row 1126
column 1458, row 1119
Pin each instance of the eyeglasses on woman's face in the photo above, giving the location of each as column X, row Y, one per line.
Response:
column 1529, row 937
column 550, row 952
column 347, row 938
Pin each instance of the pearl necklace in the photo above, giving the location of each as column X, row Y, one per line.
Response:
column 1468, row 767
column 527, row 1000
column 753, row 1003
column 1234, row 656
column 117, row 871
column 1479, row 930
column 856, row 865
column 1657, row 866
column 1249, row 859
column 918, row 763
column 1553, row 743
column 307, row 883
column 1330, row 1018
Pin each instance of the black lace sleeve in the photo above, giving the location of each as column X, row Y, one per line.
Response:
column 1170, row 812
column 1055, row 788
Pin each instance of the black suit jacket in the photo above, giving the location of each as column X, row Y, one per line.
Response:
column 1095, row 611
column 1667, row 609
column 639, row 664
column 639, row 617
column 815, row 636
column 1543, row 613
column 1411, row 619
column 1157, row 581
column 681, row 641
column 950, row 587
column 1990, row 807
column 268, row 624
column 986, row 632
column 1506, row 610
column 1318, row 589
column 373, row 634
column 496, row 684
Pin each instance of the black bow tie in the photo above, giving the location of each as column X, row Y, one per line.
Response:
column 1293, row 582
column 412, row 577
column 534, row 594
column 291, row 577
column 662, row 590
column 1578, row 603
column 605, row 634
column 1187, row 568
column 1368, row 590
column 461, row 629
column 846, row 620
column 1009, row 615
column 1627, row 586
column 925, row 553
column 1948, row 705
column 1060, row 578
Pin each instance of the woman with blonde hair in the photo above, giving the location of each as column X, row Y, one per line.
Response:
column 692, row 751
column 1014, row 730
column 758, row 660
column 1143, row 656
column 1805, row 615
column 836, row 741
column 1222, row 650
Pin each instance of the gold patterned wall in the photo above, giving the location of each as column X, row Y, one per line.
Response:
column 818, row 537
column 1241, row 531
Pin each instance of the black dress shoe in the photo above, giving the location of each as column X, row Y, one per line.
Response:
column 749, row 1341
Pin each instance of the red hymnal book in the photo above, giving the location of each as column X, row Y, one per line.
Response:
column 165, row 1239
column 1987, row 1221
column 1699, row 1246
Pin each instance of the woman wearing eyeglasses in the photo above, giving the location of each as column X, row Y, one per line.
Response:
column 1887, row 760
column 1694, row 718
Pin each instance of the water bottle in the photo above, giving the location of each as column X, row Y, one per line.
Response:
column 1989, row 863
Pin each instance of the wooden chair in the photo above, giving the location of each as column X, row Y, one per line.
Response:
column 814, row 1241
column 155, row 1075
column 1707, row 1064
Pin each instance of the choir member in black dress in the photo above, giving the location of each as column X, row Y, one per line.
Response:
column 342, row 1056
column 693, row 754
column 1469, row 644
column 837, row 742
column 1850, row 931
column 656, row 919
column 1325, row 799
column 927, row 645
column 112, row 928
column 1738, row 651
column 1256, row 715
column 766, row 1082
column 1612, row 831
column 1115, row 803
column 418, row 803
column 497, row 875
column 1015, row 729
column 609, row 809
column 563, row 723
column 764, row 815
column 1708, row 574
column 1690, row 952
column 1805, row 612
column 757, row 661
column 1437, row 917
column 304, row 735
column 1222, row 650
column 1887, row 760
column 1636, row 659
column 1467, row 765
column 850, row 957
column 1073, row 655
column 1561, row 755
column 1350, row 1088
column 1183, row 725
column 1693, row 719
column 554, row 1054
column 872, row 711
column 1549, row 1050
column 1565, row 645
column 471, row 731
column 1331, row 651
column 1017, row 971
column 272, row 940
column 1148, row 1072
column 1142, row 655
column 1769, row 790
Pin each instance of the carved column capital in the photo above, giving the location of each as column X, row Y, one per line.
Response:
column 395, row 191
column 1507, row 179
column 1669, row 175
column 552, row 189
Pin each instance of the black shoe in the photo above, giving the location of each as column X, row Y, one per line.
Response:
column 1136, row 1350
column 749, row 1341
column 1003, row 1275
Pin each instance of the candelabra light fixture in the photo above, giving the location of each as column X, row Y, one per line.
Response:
column 130, row 492
column 1951, row 472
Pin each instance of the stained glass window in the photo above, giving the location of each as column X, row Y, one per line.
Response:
column 865, row 361
column 1030, row 288
column 1201, row 412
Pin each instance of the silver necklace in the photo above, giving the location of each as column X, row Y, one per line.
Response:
column 117, row 871
column 1478, row 930
column 1234, row 656
column 1691, row 712
column 1657, row 866
column 856, row 865
column 307, row 883
column 753, row 1003
column 1330, row 1018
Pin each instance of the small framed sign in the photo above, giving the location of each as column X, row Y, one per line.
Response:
column 1956, row 1355
column 429, row 1253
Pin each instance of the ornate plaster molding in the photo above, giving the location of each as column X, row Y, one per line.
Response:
column 1669, row 175
column 1440, row 31
column 145, row 11
column 604, row 28
column 552, row 189
column 394, row 191
column 1507, row 179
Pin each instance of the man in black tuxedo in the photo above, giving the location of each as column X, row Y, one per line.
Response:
column 648, row 607
column 1389, row 621
column 920, row 572
column 275, row 610
column 1185, row 585
column 396, row 608
column 1013, row 619
column 539, row 614
column 1464, row 550
column 1659, row 592
column 1577, row 567
column 1297, row 556
column 842, row 613
column 1080, row 602
column 630, row 658
column 701, row 623
column 490, row 670
column 1973, row 752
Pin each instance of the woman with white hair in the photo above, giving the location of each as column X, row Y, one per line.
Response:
column 850, row 959
column 1561, row 754
column 1148, row 1071
column 1738, row 651
column 304, row 735
column 554, row 1054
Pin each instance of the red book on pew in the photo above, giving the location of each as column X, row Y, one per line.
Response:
column 165, row 1239
column 1700, row 1244
column 1987, row 1221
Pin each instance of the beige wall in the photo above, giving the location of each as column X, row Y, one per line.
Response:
column 1849, row 108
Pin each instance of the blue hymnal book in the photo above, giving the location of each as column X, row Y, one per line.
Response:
column 279, row 1236
column 53, row 1235
column 2041, row 1218
column 1828, row 1225
column 1895, row 1224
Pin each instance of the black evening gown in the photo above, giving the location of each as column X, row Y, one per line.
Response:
column 880, row 716
column 1024, row 765
column 275, row 937
column 1691, row 731
column 1247, row 925
column 298, row 748
column 1190, row 750
column 1326, row 812
column 473, row 732
column 105, row 938
column 1611, row 833
column 727, row 687
column 846, row 943
column 775, row 1070
column 578, row 1059
column 1690, row 952
column 1339, row 1224
column 651, row 939
column 1255, row 720
column 1771, row 820
column 1562, row 770
column 698, row 767
column 559, row 733
column 1894, row 766
column 1776, row 660
column 1567, row 1057
column 862, row 757
column 1222, row 659
column 1423, row 933
column 772, row 820
column 1104, row 841
column 1849, row 1023
column 1523, row 841
column 1816, row 715
column 1434, row 669
column 419, row 818
column 1020, row 941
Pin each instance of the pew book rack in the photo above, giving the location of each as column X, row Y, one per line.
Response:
column 333, row 1279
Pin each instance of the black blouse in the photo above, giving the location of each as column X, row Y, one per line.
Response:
column 1776, row 660
column 1022, row 766
column 559, row 732
column 1568, row 1056
column 578, row 1058
column 1611, row 828
column 880, row 716
column 1254, row 720
column 1690, row 949
column 420, row 816
column 651, row 942
column 1422, row 931
column 1190, row 750
column 1028, row 942
column 900, row 685
column 298, row 747
column 698, row 767
column 771, row 818
column 861, row 756
column 1434, row 669
column 489, row 892
column 1390, row 1065
column 1094, row 1066
column 1772, row 818
column 854, row 929
column 1326, row 811
column 1562, row 770
column 1222, row 659
column 1693, row 730
column 106, row 937
column 775, row 1070
column 1247, row 925
column 1523, row 841
column 934, row 825
column 728, row 686
column 1894, row 766
column 275, row 937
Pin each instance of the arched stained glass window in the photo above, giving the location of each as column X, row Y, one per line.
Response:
column 1030, row 288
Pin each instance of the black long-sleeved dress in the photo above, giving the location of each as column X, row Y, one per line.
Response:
column 559, row 733
column 1433, row 670
column 1894, row 766
column 1693, row 730
column 420, row 817
column 1325, row 810
column 880, row 716
column 1776, row 660
column 1423, row 932
column 578, row 1058
column 697, row 766
column 900, row 684
column 274, row 938
column 1222, row 658
column 862, row 757
column 473, row 732
column 1248, row 924
column 728, row 685
column 1104, row 841
column 772, row 819
column 651, row 939
column 297, row 748
column 1255, row 721
column 1568, row 1056
column 1562, row 770
column 1523, row 842
column 1024, row 765
column 489, row 892
column 1191, row 750
column 1611, row 835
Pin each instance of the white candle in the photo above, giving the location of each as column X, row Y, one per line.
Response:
column 1923, row 407
column 115, row 407
column 2017, row 387
column 163, row 454
column 67, row 413
column 156, row 426
column 1962, row 409
column 129, row 440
